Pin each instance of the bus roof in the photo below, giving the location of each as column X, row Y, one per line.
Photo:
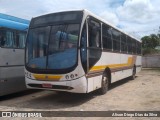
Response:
column 13, row 22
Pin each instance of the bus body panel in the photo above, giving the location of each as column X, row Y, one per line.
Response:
column 11, row 57
column 94, row 83
column 115, row 61
column 11, row 80
column 11, row 71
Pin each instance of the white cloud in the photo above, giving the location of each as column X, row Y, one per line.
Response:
column 139, row 16
column 140, row 11
column 23, row 8
column 110, row 17
column 59, row 5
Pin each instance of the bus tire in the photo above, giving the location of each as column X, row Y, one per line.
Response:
column 104, row 85
column 133, row 73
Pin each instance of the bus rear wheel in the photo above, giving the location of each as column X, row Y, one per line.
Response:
column 104, row 85
column 133, row 73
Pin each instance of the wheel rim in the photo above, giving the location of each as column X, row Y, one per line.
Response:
column 105, row 83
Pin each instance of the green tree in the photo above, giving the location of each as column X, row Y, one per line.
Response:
column 151, row 41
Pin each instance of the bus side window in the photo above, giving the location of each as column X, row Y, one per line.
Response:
column 129, row 41
column 138, row 47
column 124, row 43
column 107, row 37
column 16, row 40
column 94, row 34
column 116, row 35
column 21, row 40
column 2, row 42
column 8, row 39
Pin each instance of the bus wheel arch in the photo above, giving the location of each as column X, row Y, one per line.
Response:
column 105, row 82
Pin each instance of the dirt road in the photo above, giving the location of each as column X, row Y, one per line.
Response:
column 141, row 94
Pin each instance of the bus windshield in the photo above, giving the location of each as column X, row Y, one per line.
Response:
column 52, row 47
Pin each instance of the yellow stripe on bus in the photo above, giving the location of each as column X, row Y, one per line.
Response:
column 46, row 77
column 102, row 67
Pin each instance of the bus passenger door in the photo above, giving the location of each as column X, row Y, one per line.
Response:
column 94, row 53
column 83, row 48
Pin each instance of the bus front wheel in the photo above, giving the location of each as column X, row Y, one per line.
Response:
column 104, row 85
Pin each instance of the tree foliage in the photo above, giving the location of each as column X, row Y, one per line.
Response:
column 149, row 43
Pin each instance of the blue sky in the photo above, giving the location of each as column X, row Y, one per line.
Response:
column 136, row 17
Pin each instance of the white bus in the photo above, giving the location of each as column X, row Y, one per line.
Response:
column 76, row 51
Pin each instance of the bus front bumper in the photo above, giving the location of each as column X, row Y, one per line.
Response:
column 74, row 86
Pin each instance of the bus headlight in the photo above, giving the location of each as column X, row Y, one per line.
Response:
column 67, row 77
column 30, row 75
column 27, row 74
column 72, row 76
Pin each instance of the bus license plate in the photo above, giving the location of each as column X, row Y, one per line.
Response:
column 46, row 85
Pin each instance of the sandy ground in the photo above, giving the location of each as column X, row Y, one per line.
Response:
column 141, row 94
